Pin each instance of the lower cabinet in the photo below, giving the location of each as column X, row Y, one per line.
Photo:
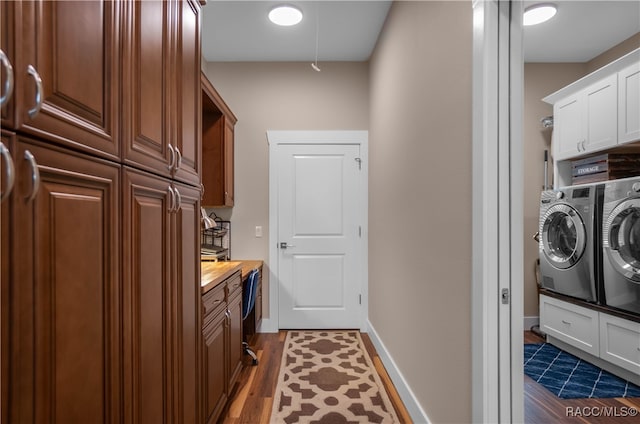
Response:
column 570, row 323
column 222, row 344
column 611, row 340
column 215, row 371
column 620, row 342
column 160, row 299
column 61, row 327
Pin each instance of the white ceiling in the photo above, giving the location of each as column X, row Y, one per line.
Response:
column 348, row 30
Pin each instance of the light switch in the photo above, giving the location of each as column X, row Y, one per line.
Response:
column 258, row 231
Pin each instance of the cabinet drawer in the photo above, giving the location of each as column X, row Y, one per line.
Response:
column 213, row 300
column 570, row 323
column 234, row 285
column 620, row 342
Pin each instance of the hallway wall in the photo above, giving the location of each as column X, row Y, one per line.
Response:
column 420, row 201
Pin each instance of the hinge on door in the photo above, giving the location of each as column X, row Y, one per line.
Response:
column 504, row 295
column 360, row 299
column 359, row 231
column 359, row 163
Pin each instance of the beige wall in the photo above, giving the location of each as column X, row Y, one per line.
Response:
column 280, row 96
column 540, row 80
column 420, row 201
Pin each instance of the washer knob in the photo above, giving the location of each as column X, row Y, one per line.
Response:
column 559, row 195
column 636, row 187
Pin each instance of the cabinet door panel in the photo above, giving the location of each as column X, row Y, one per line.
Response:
column 601, row 113
column 74, row 46
column 65, row 303
column 8, row 139
column 215, row 372
column 188, row 92
column 235, row 339
column 148, row 72
column 188, row 298
column 146, row 294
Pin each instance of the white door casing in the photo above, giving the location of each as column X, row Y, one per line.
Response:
column 321, row 281
column 317, row 236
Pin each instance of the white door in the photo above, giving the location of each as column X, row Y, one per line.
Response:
column 318, row 231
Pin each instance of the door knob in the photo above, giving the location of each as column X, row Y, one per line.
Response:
column 284, row 245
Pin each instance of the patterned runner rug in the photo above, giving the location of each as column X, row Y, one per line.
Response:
column 327, row 377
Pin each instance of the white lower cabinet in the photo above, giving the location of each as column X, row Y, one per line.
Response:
column 612, row 342
column 620, row 342
column 570, row 323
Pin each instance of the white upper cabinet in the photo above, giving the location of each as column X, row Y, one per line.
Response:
column 586, row 121
column 629, row 104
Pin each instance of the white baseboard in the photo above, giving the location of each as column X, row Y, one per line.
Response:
column 268, row 325
column 530, row 322
column 408, row 398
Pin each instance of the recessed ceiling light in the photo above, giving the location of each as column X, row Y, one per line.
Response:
column 538, row 13
column 285, row 15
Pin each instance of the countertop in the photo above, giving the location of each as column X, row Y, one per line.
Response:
column 213, row 273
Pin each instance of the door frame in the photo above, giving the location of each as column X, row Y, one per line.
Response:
column 497, row 388
column 277, row 138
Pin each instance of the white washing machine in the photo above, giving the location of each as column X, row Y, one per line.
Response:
column 569, row 240
column 621, row 244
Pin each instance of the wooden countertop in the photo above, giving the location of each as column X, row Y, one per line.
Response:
column 213, row 273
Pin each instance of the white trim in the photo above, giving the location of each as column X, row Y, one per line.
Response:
column 528, row 322
column 276, row 138
column 497, row 381
column 404, row 391
column 484, row 298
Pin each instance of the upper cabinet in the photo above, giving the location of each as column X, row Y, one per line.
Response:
column 587, row 121
column 629, row 104
column 161, row 70
column 597, row 113
column 218, row 123
column 60, row 72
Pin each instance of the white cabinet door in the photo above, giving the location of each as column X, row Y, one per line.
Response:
column 587, row 121
column 568, row 131
column 620, row 342
column 570, row 323
column 600, row 114
column 629, row 104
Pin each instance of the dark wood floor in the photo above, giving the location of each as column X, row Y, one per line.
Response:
column 542, row 406
column 251, row 401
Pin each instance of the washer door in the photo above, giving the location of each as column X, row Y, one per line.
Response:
column 564, row 237
column 621, row 239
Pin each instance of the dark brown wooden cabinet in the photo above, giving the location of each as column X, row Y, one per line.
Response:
column 64, row 283
column 161, row 73
column 100, row 278
column 218, row 123
column 222, row 344
column 160, row 299
column 215, row 393
column 66, row 60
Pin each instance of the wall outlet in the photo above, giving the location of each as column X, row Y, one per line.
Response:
column 258, row 231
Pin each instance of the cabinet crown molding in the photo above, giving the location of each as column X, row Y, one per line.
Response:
column 609, row 69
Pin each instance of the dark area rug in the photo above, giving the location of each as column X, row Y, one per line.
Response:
column 569, row 377
column 327, row 377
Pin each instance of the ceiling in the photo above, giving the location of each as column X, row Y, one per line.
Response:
column 348, row 30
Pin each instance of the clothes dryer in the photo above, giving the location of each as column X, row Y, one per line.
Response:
column 569, row 240
column 621, row 244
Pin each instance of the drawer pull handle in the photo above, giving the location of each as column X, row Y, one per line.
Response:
column 566, row 322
